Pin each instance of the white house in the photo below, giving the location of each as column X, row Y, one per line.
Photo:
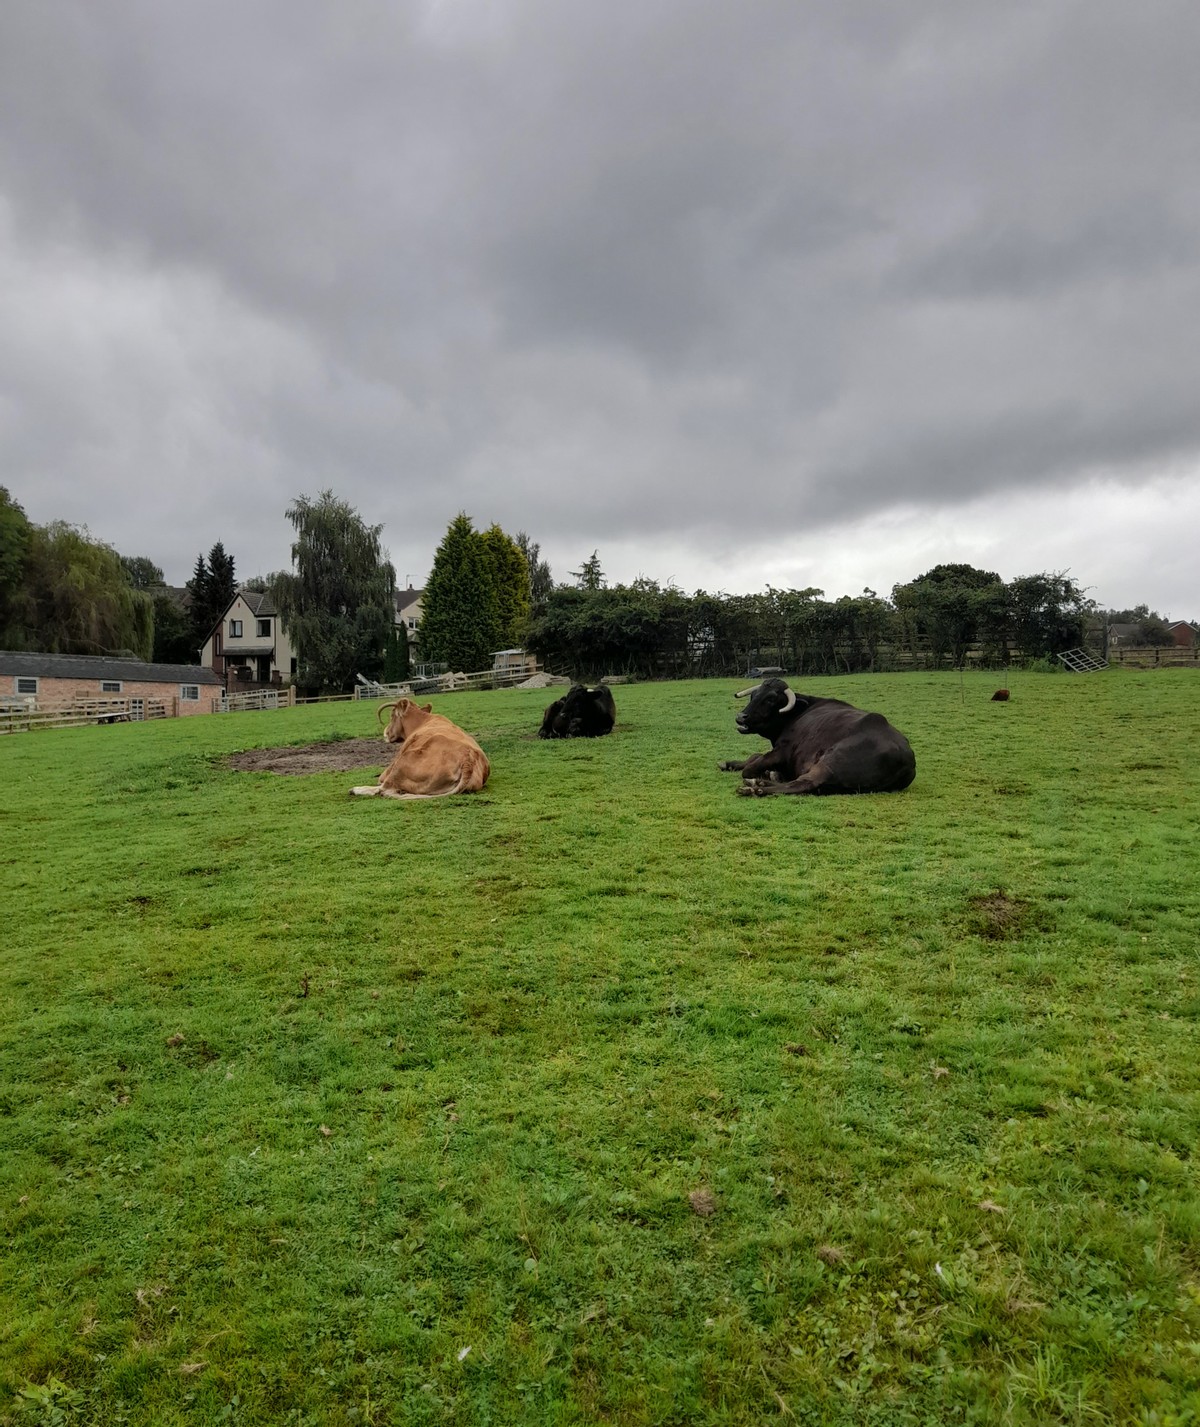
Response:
column 249, row 643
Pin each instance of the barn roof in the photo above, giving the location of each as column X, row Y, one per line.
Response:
column 97, row 666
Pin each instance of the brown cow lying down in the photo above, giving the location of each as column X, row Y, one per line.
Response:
column 434, row 757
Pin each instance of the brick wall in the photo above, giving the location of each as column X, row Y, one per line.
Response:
column 53, row 692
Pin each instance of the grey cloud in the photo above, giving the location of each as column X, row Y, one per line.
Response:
column 602, row 271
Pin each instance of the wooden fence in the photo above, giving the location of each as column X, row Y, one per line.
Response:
column 257, row 699
column 447, row 683
column 80, row 713
column 1165, row 656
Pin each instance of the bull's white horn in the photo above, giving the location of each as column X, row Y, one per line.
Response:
column 379, row 712
column 791, row 702
column 750, row 690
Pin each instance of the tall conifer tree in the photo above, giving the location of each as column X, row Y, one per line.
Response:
column 510, row 576
column 460, row 619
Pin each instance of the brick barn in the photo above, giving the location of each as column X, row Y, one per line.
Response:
column 48, row 681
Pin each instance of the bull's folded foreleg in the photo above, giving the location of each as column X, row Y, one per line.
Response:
column 761, row 765
column 768, row 787
column 372, row 790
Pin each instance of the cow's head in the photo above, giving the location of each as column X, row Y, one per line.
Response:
column 771, row 702
column 406, row 717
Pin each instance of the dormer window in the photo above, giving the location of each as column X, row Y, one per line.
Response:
column 264, row 629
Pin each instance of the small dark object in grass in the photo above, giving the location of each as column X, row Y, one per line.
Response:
column 830, row 1254
column 1000, row 696
column 795, row 1048
column 703, row 1202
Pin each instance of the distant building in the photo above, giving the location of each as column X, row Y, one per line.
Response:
column 62, row 680
column 249, row 644
column 407, row 604
column 1183, row 634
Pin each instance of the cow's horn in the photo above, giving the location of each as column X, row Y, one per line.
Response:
column 380, row 711
column 791, row 702
column 750, row 690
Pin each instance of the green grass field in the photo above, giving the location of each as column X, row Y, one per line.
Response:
column 606, row 1096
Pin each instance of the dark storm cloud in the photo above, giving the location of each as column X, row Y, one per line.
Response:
column 603, row 272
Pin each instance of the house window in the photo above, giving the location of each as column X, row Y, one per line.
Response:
column 26, row 686
column 293, row 664
column 110, row 686
column 189, row 693
column 235, row 629
column 264, row 629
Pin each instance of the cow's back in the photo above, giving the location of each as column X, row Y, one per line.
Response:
column 849, row 750
column 436, row 759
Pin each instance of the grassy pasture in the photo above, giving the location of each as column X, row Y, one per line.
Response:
column 670, row 1106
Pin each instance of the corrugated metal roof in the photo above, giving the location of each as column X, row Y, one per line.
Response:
column 96, row 666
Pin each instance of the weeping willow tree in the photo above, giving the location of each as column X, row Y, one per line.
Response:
column 76, row 598
column 337, row 600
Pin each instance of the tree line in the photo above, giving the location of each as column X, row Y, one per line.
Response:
column 643, row 628
column 62, row 592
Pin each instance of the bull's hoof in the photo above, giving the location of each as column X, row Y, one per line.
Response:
column 753, row 788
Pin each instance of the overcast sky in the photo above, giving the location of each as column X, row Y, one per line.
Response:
column 736, row 292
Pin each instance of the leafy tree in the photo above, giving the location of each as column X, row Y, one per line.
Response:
column 952, row 607
column 964, row 576
column 591, row 576
column 15, row 536
column 337, row 599
column 143, row 573
column 510, row 577
column 460, row 618
column 174, row 642
column 75, row 597
column 541, row 582
column 1049, row 612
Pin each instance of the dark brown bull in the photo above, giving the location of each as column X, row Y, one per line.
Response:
column 580, row 713
column 819, row 746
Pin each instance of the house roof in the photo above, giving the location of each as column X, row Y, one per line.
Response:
column 1181, row 624
column 260, row 602
column 403, row 598
column 97, row 666
column 248, row 649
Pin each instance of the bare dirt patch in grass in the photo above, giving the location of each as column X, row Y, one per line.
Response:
column 340, row 757
column 1001, row 917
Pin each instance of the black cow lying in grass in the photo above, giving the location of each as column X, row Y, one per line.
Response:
column 819, row 746
column 580, row 713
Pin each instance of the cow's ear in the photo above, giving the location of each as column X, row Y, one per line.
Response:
column 427, row 709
